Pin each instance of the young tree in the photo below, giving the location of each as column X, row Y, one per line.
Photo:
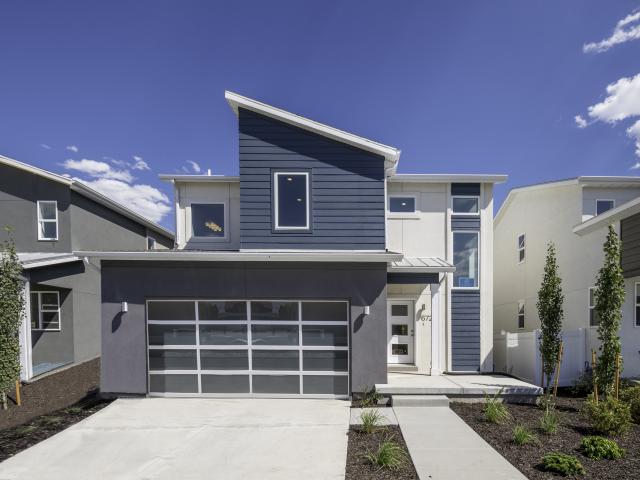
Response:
column 550, row 299
column 609, row 298
column 11, row 311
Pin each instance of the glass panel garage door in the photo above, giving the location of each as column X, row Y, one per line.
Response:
column 248, row 348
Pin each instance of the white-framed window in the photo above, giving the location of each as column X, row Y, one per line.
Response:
column 521, row 314
column 47, row 219
column 466, row 258
column 604, row 206
column 402, row 203
column 151, row 243
column 465, row 205
column 45, row 311
column 208, row 220
column 522, row 241
column 594, row 319
column 291, row 200
column 637, row 304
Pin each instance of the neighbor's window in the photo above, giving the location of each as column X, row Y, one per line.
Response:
column 521, row 248
column 291, row 200
column 402, row 204
column 151, row 243
column 637, row 304
column 594, row 320
column 207, row 220
column 604, row 205
column 47, row 220
column 465, row 259
column 467, row 205
column 45, row 311
column 521, row 314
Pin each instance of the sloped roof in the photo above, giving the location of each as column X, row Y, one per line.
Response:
column 420, row 265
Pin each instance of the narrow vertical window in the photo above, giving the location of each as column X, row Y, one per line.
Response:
column 594, row 320
column 45, row 311
column 637, row 304
column 465, row 259
column 291, row 196
column 151, row 243
column 521, row 314
column 47, row 220
column 521, row 248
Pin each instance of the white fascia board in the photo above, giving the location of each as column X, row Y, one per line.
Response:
column 609, row 217
column 35, row 170
column 447, row 178
column 390, row 154
column 612, row 181
column 198, row 178
column 443, row 269
column 48, row 262
column 308, row 256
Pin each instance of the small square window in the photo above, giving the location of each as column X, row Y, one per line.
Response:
column 291, row 200
column 399, row 310
column 465, row 205
column 45, row 311
column 604, row 206
column 402, row 204
column 402, row 330
column 207, row 220
column 521, row 315
column 47, row 220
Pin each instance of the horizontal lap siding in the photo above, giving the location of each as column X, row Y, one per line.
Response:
column 630, row 255
column 465, row 223
column 347, row 188
column 465, row 330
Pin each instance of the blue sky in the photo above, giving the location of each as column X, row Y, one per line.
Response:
column 117, row 92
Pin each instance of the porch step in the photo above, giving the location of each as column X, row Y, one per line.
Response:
column 419, row 401
column 401, row 368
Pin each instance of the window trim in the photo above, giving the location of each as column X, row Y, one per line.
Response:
column 523, row 249
column 612, row 200
column 636, row 322
column 155, row 242
column 195, row 238
column 40, row 311
column 412, row 214
column 477, row 234
column 42, row 220
column 468, row 214
column 521, row 306
column 589, row 306
column 276, row 220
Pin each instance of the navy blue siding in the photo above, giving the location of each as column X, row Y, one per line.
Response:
column 465, row 330
column 465, row 189
column 347, row 188
column 405, row 278
column 630, row 254
column 465, row 222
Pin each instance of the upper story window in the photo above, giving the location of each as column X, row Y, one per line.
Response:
column 466, row 259
column 47, row 220
column 522, row 240
column 291, row 198
column 637, row 304
column 208, row 220
column 151, row 243
column 594, row 319
column 45, row 311
column 465, row 204
column 521, row 314
column 402, row 204
column 604, row 205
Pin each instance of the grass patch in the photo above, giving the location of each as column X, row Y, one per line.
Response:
column 74, row 410
column 371, row 420
column 494, row 410
column 550, row 420
column 25, row 430
column 523, row 436
column 52, row 420
column 390, row 455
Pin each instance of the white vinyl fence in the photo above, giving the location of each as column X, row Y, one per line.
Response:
column 518, row 354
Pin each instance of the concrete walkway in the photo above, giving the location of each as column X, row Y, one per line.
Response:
column 172, row 438
column 444, row 447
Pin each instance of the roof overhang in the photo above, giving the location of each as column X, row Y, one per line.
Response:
column 390, row 154
column 235, row 256
column 38, row 260
column 607, row 218
column 198, row 178
column 447, row 178
column 420, row 265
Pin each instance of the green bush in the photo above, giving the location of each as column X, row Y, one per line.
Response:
column 371, row 420
column 523, row 436
column 597, row 448
column 563, row 464
column 389, row 455
column 583, row 385
column 494, row 410
column 550, row 420
column 631, row 396
column 608, row 416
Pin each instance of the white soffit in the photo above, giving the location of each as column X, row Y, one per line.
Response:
column 420, row 265
column 446, row 178
column 44, row 259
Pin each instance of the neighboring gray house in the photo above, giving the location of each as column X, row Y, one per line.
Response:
column 50, row 216
column 312, row 273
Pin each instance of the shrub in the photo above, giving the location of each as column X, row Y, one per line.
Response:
column 550, row 420
column 608, row 416
column 563, row 464
column 389, row 455
column 371, row 420
column 597, row 448
column 631, row 396
column 369, row 397
column 523, row 436
column 494, row 410
column 583, row 385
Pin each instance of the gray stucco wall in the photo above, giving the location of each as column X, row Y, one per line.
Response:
column 53, row 347
column 630, row 236
column 124, row 343
column 347, row 188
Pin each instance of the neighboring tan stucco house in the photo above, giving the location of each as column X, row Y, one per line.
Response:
column 312, row 273
column 574, row 214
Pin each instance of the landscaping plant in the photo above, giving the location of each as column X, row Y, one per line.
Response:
column 609, row 416
column 369, row 397
column 631, row 396
column 609, row 297
column 563, row 464
column 11, row 311
column 371, row 420
column 597, row 448
column 523, row 436
column 494, row 410
column 550, row 419
column 550, row 299
column 389, row 455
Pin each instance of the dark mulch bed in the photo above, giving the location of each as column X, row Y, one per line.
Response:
column 16, row 439
column 358, row 468
column 528, row 458
column 52, row 392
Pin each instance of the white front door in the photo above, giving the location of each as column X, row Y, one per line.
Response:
column 400, row 331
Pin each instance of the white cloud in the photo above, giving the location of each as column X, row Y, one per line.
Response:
column 97, row 169
column 45, row 146
column 72, row 148
column 580, row 122
column 634, row 132
column 139, row 164
column 143, row 199
column 626, row 30
column 194, row 166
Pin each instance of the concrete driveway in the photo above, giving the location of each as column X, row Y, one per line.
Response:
column 166, row 438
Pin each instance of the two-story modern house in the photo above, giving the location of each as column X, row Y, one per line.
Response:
column 308, row 274
column 574, row 214
column 49, row 217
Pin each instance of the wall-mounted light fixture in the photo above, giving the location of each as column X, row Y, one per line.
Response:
column 124, row 308
column 367, row 310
